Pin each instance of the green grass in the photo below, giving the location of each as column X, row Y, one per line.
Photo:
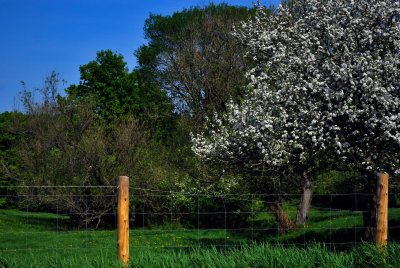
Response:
column 46, row 240
column 262, row 255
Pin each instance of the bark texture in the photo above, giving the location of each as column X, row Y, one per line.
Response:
column 282, row 218
column 305, row 201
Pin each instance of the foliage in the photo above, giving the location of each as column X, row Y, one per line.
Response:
column 8, row 159
column 193, row 56
column 66, row 143
column 117, row 93
column 105, row 79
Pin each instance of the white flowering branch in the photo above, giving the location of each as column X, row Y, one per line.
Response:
column 326, row 81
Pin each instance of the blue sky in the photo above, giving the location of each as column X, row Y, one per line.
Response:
column 38, row 36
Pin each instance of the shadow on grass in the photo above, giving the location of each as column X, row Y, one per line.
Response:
column 394, row 230
column 320, row 217
column 38, row 222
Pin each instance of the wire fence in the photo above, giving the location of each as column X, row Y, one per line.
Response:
column 40, row 218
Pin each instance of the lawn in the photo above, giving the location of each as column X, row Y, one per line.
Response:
column 330, row 239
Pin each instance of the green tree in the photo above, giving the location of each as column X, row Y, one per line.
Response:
column 118, row 93
column 193, row 56
column 103, row 80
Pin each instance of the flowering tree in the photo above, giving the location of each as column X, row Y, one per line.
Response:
column 326, row 82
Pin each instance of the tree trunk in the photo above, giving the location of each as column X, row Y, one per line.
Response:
column 282, row 218
column 368, row 206
column 305, row 200
column 369, row 217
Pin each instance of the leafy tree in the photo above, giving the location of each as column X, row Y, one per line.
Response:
column 327, row 83
column 103, row 80
column 118, row 93
column 193, row 56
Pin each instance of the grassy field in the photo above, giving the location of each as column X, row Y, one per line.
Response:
column 331, row 239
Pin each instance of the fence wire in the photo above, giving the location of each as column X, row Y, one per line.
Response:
column 56, row 218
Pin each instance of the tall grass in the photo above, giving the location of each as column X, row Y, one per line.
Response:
column 264, row 255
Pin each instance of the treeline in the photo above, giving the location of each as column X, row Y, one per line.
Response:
column 134, row 122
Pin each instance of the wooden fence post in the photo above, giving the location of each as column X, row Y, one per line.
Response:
column 382, row 210
column 123, row 219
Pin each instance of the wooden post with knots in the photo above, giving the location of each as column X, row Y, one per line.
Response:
column 123, row 219
column 382, row 210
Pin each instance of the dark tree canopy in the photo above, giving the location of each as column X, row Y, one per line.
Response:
column 193, row 56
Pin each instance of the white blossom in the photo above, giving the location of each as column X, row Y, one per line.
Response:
column 328, row 81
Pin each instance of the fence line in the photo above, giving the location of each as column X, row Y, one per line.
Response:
column 171, row 211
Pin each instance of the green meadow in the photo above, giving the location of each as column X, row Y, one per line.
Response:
column 330, row 239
